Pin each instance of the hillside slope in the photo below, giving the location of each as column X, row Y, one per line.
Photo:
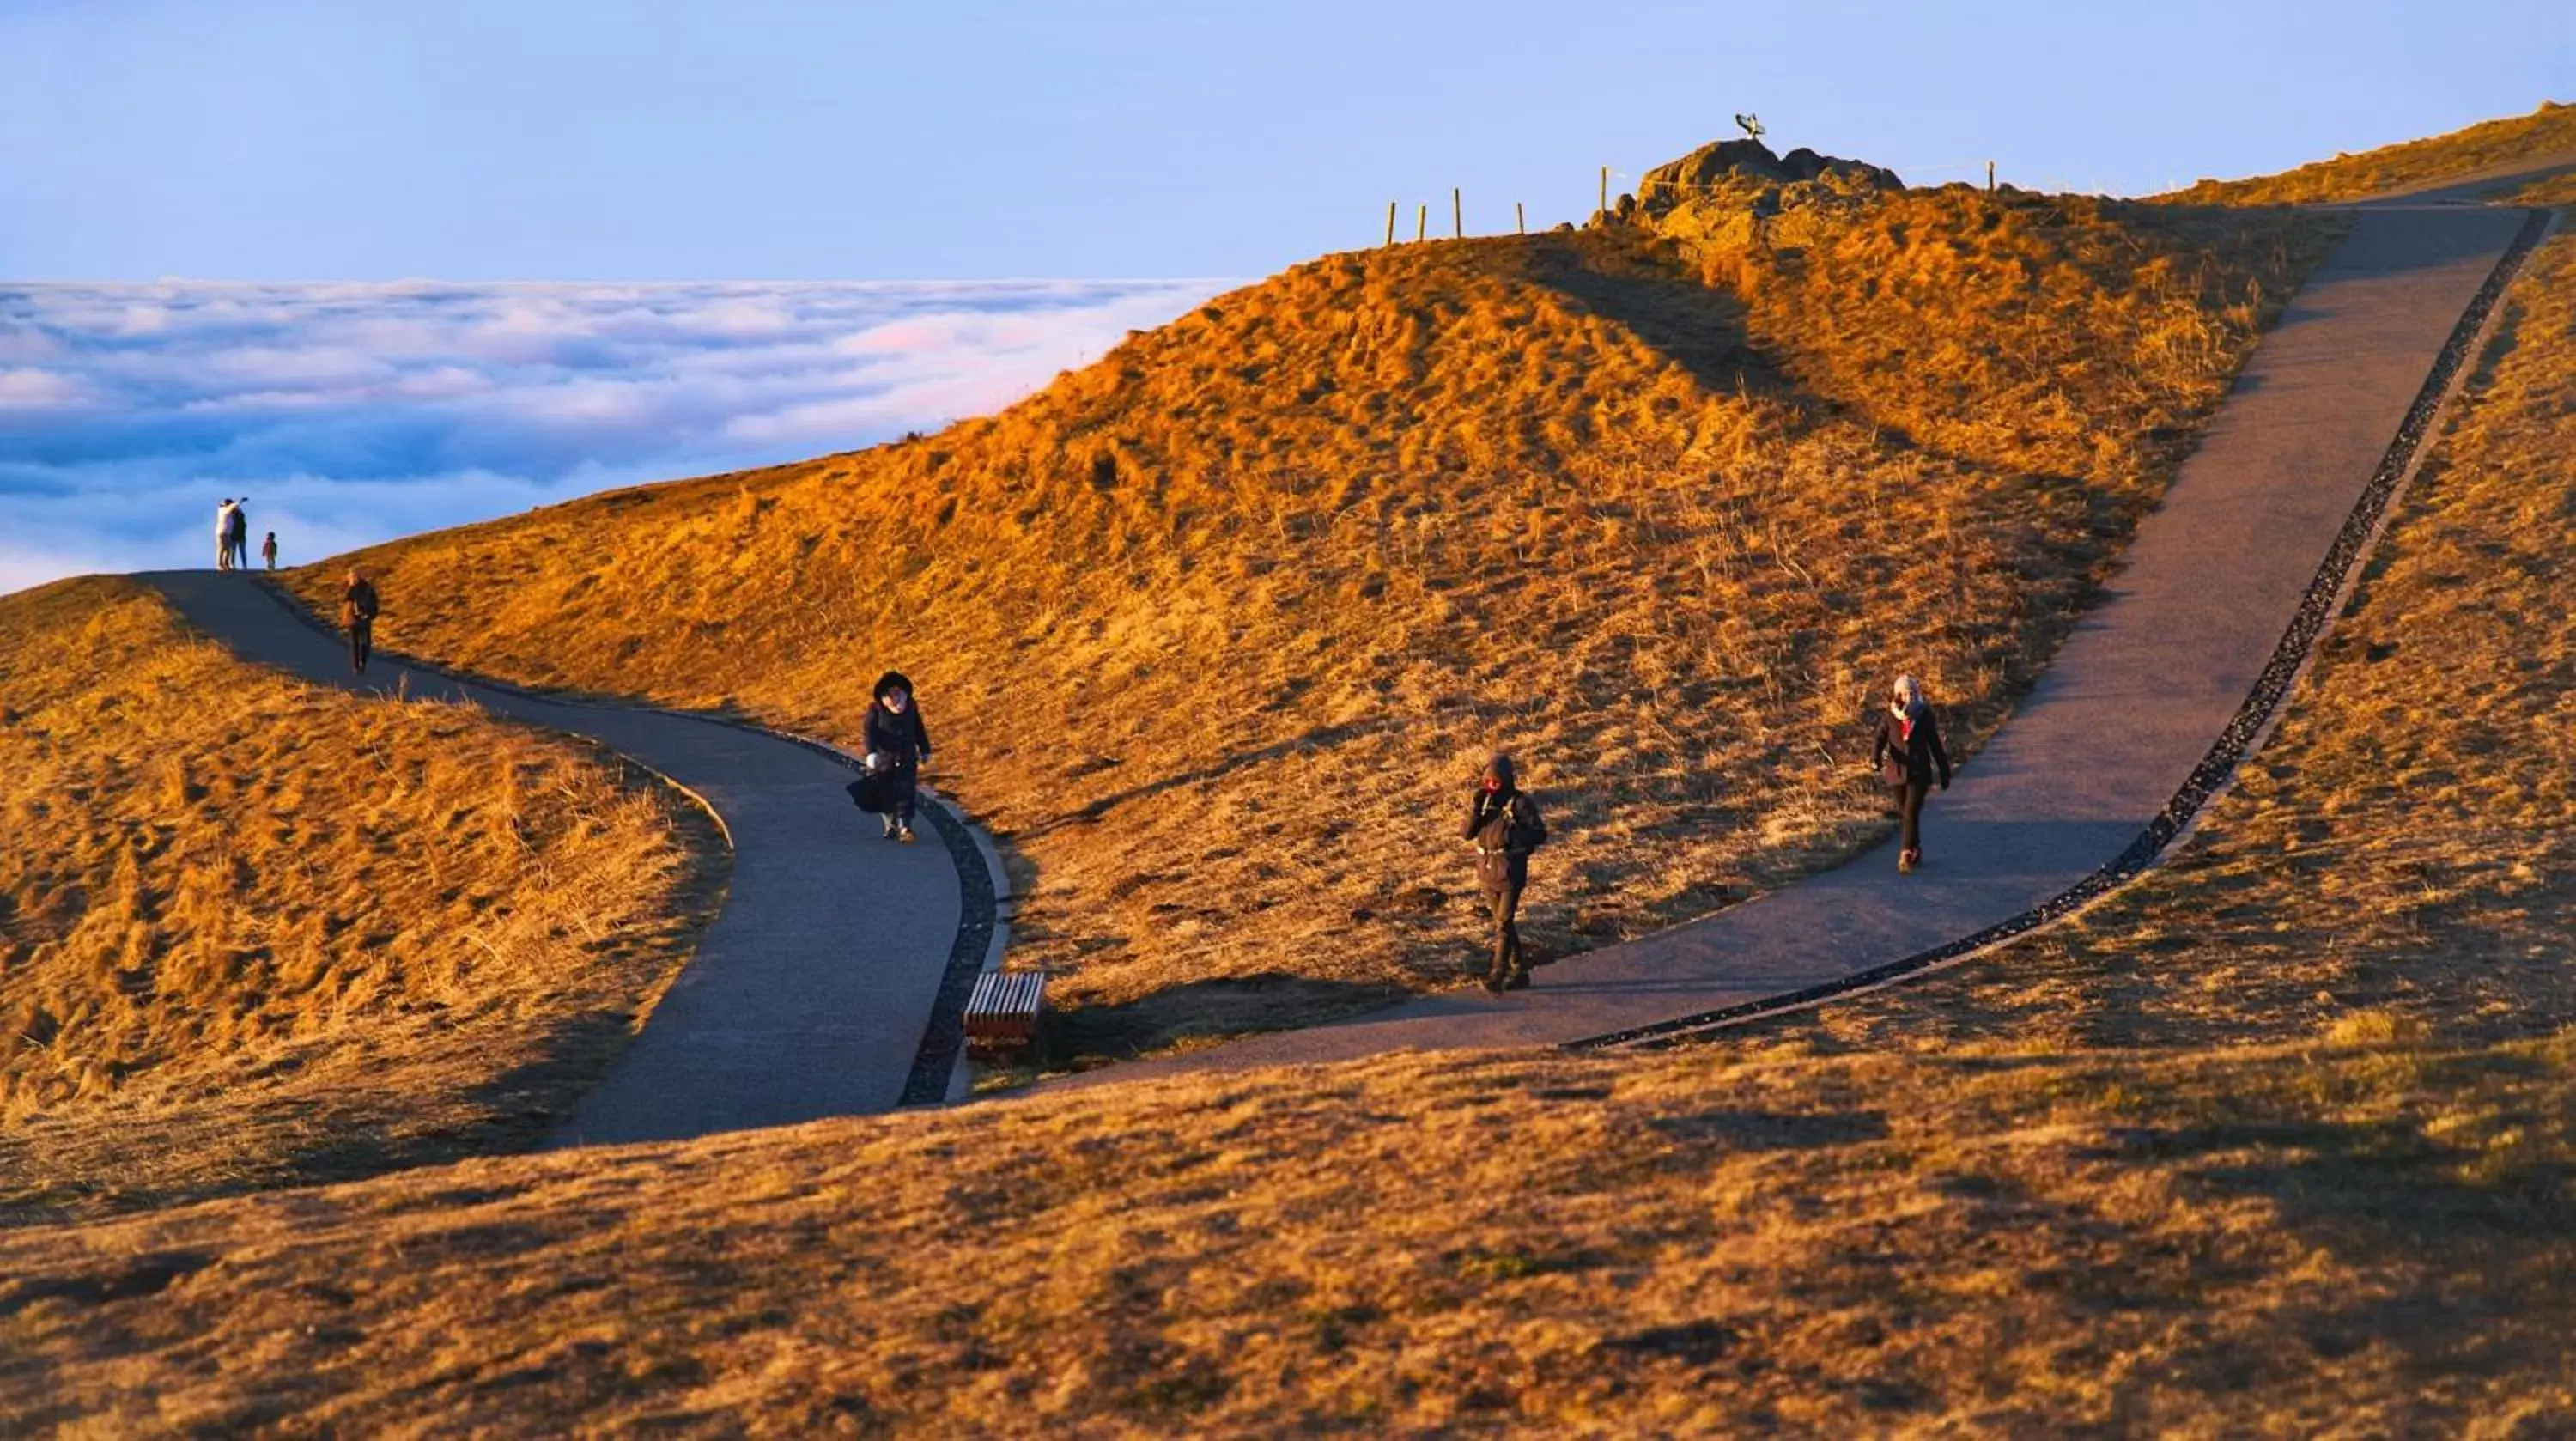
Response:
column 254, row 932
column 2546, row 133
column 1216, row 632
column 2263, row 1148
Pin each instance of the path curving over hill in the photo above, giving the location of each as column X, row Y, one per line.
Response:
column 2140, row 718
column 810, row 994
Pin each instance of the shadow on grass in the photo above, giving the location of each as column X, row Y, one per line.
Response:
column 1205, row 1012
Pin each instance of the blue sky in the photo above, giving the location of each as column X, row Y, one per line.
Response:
column 555, row 139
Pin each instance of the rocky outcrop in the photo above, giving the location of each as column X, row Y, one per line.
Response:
column 1737, row 192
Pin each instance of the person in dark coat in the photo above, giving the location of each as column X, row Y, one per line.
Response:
column 358, row 617
column 898, row 742
column 1906, row 755
column 1504, row 823
column 237, row 538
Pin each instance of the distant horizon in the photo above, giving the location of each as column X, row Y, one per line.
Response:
column 352, row 412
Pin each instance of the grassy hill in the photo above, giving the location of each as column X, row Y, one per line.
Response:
column 1215, row 632
column 2549, row 132
column 255, row 933
column 2280, row 1141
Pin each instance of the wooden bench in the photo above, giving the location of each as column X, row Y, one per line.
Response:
column 1002, row 1014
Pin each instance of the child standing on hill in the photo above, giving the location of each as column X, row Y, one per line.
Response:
column 1907, row 750
column 268, row 549
column 898, row 742
column 1504, row 823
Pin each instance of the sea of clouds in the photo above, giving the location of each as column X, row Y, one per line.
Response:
column 351, row 413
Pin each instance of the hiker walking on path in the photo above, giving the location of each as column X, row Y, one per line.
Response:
column 268, row 550
column 358, row 617
column 1504, row 823
column 224, row 534
column 898, row 742
column 1906, row 754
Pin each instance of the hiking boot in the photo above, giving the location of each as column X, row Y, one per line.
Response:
column 1516, row 981
column 1906, row 861
column 889, row 828
column 1494, row 984
column 904, row 835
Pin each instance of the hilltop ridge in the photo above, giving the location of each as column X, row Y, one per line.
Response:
column 1214, row 628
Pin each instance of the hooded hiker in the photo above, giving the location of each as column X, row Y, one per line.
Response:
column 1905, row 755
column 237, row 538
column 898, row 742
column 1504, row 823
column 358, row 617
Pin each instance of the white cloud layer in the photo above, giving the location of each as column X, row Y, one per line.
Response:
column 353, row 413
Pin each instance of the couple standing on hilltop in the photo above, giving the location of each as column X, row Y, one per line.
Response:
column 232, row 537
column 1505, row 826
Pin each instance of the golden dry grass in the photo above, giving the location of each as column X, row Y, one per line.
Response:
column 2547, row 131
column 254, row 932
column 2406, row 845
column 2140, row 1181
column 1215, row 632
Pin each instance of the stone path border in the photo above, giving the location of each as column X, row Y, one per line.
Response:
column 2328, row 595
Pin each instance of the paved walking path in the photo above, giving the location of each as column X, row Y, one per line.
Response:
column 2117, row 725
column 809, row 994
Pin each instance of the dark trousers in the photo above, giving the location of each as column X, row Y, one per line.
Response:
column 1507, row 932
column 901, row 782
column 362, row 642
column 1909, row 807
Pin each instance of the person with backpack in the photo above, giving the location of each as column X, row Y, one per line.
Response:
column 1907, row 751
column 1504, row 823
column 898, row 741
column 237, row 539
column 358, row 617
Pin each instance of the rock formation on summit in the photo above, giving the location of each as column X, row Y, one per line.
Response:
column 1738, row 191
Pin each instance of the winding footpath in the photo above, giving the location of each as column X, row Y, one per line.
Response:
column 2137, row 723
column 810, row 993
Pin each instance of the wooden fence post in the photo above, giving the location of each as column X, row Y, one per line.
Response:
column 1520, row 222
column 1422, row 222
column 1457, row 215
column 1605, row 194
column 1390, row 223
column 1990, row 177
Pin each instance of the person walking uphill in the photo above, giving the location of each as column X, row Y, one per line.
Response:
column 1504, row 823
column 898, row 742
column 1907, row 752
column 358, row 617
